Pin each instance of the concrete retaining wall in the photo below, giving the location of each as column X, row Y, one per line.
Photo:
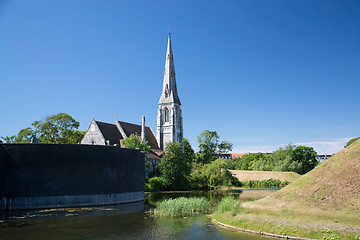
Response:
column 65, row 175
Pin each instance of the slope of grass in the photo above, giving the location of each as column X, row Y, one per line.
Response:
column 324, row 203
column 264, row 175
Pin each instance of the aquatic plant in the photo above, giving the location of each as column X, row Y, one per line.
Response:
column 181, row 207
column 229, row 204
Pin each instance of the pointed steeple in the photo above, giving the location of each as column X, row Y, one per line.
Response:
column 169, row 93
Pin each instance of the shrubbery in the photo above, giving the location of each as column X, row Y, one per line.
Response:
column 155, row 184
column 269, row 183
column 205, row 176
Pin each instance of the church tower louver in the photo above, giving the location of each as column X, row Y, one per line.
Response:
column 169, row 118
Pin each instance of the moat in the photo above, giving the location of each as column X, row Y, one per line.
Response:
column 127, row 221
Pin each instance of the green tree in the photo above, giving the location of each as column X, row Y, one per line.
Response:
column 225, row 147
column 135, row 142
column 208, row 143
column 247, row 160
column 59, row 128
column 174, row 168
column 351, row 141
column 306, row 156
column 24, row 135
column 212, row 174
column 209, row 146
column 188, row 151
column 9, row 139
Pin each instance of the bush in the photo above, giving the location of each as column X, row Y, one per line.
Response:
column 181, row 207
column 156, row 184
column 269, row 183
column 212, row 175
column 229, row 204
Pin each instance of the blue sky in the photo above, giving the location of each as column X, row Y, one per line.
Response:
column 261, row 73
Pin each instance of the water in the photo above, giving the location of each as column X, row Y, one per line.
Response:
column 130, row 221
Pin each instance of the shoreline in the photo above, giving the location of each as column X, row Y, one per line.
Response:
column 270, row 235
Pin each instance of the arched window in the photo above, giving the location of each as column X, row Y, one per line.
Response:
column 166, row 115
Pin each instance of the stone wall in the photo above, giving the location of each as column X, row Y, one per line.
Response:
column 65, row 175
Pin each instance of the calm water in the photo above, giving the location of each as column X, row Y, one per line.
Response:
column 130, row 221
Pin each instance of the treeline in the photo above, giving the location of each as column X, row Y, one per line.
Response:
column 180, row 170
column 299, row 159
column 59, row 128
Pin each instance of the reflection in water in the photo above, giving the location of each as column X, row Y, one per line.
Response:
column 128, row 221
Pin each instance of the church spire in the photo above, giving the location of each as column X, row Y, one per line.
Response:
column 169, row 93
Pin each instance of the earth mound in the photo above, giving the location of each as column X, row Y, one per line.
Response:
column 334, row 183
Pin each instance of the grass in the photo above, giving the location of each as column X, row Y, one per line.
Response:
column 181, row 207
column 300, row 222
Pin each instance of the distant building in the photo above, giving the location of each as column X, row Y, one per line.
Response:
column 237, row 155
column 224, row 156
column 323, row 157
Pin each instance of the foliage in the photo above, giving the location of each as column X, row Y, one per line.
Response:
column 209, row 146
column 181, row 207
column 174, row 168
column 59, row 128
column 269, row 183
column 351, row 141
column 306, row 159
column 135, row 142
column 156, row 184
column 188, row 151
column 225, row 147
column 229, row 204
column 212, row 174
column 299, row 159
column 208, row 143
column 24, row 135
column 247, row 160
column 9, row 139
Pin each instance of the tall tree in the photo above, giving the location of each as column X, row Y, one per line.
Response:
column 188, row 151
column 59, row 128
column 225, row 147
column 174, row 168
column 24, row 136
column 209, row 146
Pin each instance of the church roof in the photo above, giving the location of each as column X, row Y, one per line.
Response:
column 130, row 128
column 110, row 132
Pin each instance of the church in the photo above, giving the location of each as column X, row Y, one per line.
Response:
column 169, row 119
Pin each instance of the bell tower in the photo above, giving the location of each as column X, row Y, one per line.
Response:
column 169, row 118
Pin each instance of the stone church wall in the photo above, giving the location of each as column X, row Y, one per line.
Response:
column 65, row 175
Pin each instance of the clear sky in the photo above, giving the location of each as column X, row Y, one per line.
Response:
column 262, row 73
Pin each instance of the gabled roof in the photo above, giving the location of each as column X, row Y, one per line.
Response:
column 110, row 132
column 130, row 128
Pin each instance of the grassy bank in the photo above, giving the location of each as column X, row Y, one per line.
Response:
column 299, row 222
column 322, row 204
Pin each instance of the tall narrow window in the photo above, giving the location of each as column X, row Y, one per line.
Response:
column 166, row 115
column 167, row 91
